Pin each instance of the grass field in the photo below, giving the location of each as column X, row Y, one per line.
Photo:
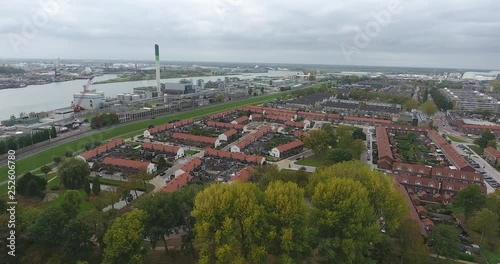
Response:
column 75, row 146
column 456, row 139
column 313, row 161
column 84, row 206
column 476, row 149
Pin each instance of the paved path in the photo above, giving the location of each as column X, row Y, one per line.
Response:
column 160, row 181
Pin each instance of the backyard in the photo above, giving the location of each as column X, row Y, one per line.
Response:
column 125, row 130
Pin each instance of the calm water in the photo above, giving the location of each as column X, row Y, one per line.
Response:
column 37, row 98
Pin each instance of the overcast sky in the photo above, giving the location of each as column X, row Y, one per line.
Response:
column 427, row 33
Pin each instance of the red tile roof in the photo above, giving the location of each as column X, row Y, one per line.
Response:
column 173, row 125
column 177, row 183
column 135, row 164
column 195, row 138
column 383, row 146
column 451, row 154
column 427, row 222
column 407, row 128
column 413, row 168
column 238, row 156
column 251, row 138
column 221, row 114
column 277, row 118
column 289, row 146
column 101, row 149
column 420, row 209
column 493, row 152
column 412, row 214
column 231, row 132
column 418, row 181
column 295, row 124
column 319, row 116
column 243, row 175
column 485, row 127
column 191, row 165
column 366, row 119
column 225, row 125
column 161, row 147
column 457, row 174
column 241, row 119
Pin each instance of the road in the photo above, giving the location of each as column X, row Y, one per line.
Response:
column 487, row 167
column 444, row 127
column 160, row 181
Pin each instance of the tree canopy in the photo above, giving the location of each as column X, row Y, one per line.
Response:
column 124, row 239
column 470, row 200
column 73, row 172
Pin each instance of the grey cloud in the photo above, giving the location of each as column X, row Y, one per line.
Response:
column 446, row 33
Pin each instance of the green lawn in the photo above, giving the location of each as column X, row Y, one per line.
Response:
column 313, row 161
column 84, row 206
column 190, row 152
column 491, row 256
column 476, row 149
column 456, row 139
column 42, row 158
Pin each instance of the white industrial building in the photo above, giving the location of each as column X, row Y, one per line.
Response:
column 89, row 100
column 481, row 76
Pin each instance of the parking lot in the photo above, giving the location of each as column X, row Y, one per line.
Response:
column 491, row 175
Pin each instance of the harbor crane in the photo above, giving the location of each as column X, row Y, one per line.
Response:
column 77, row 107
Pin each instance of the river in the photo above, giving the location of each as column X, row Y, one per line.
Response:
column 37, row 98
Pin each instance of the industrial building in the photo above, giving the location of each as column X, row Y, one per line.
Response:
column 89, row 100
column 179, row 88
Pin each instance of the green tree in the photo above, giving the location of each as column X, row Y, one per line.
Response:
column 411, row 137
column 486, row 222
column 493, row 202
column 429, row 108
column 73, row 173
column 76, row 238
column 315, row 140
column 230, row 223
column 70, row 202
column 411, row 104
column 387, row 202
column 162, row 164
column 99, row 223
column 47, row 226
column 124, row 239
column 344, row 218
column 338, row 155
column 56, row 159
column 445, row 241
column 470, row 200
column 263, row 175
column 289, row 237
column 30, row 185
column 219, row 98
column 358, row 134
column 68, row 154
column 88, row 146
column 96, row 186
column 86, row 186
column 411, row 246
column 45, row 169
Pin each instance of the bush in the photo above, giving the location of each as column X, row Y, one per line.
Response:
column 56, row 159
column 466, row 257
column 97, row 144
column 55, row 188
column 88, row 146
column 68, row 154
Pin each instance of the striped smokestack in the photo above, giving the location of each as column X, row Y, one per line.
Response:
column 157, row 59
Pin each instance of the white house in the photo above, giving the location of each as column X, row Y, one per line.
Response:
column 226, row 135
